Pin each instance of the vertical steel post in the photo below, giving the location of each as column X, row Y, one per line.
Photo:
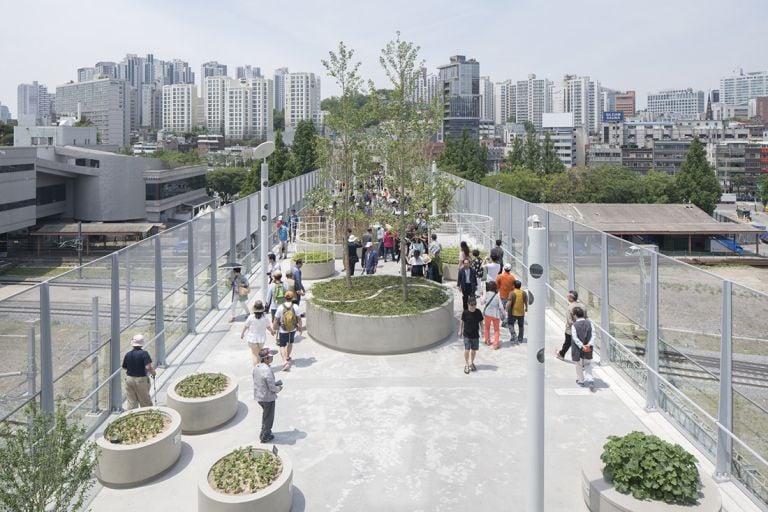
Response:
column 115, row 384
column 248, row 244
column 127, row 262
column 571, row 256
column 264, row 194
column 524, row 222
column 191, row 319
column 538, row 275
column 31, row 364
column 232, row 234
column 725, row 408
column 94, row 335
column 605, row 312
column 213, row 269
column 46, row 351
column 652, row 339
column 159, row 304
column 434, row 188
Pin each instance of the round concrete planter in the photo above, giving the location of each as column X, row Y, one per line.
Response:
column 379, row 335
column 123, row 465
column 317, row 270
column 277, row 497
column 203, row 414
column 600, row 496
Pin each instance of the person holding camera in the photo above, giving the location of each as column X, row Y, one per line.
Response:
column 265, row 390
column 582, row 348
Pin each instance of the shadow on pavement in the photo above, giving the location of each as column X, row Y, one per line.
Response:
column 288, row 436
column 299, row 502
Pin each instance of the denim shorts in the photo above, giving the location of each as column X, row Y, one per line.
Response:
column 471, row 343
column 284, row 338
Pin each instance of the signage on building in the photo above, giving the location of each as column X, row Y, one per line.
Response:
column 613, row 117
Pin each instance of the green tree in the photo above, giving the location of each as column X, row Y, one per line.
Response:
column 762, row 189
column 550, row 163
column 516, row 157
column 565, row 187
column 522, row 183
column 83, row 122
column 278, row 120
column 304, row 148
column 532, row 151
column 658, row 187
column 6, row 134
column 279, row 161
column 464, row 157
column 47, row 465
column 697, row 182
column 226, row 181
column 611, row 184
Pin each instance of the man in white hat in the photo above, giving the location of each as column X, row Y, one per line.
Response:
column 352, row 245
column 370, row 260
column 138, row 364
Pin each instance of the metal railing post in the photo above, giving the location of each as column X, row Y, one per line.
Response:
column 652, row 338
column 571, row 256
column 31, row 364
column 191, row 320
column 524, row 222
column 212, row 270
column 115, row 384
column 232, row 234
column 159, row 305
column 605, row 311
column 126, row 261
column 94, row 334
column 725, row 408
column 248, row 248
column 47, row 402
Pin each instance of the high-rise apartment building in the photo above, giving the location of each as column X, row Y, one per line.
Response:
column 625, row 102
column 177, row 72
column 302, row 98
column 208, row 69
column 582, row 97
column 425, row 89
column 214, row 99
column 677, row 103
column 486, row 99
column 179, row 107
column 247, row 72
column 248, row 108
column 105, row 103
column 533, row 99
column 504, row 96
column 740, row 87
column 151, row 107
column 279, row 85
column 460, row 87
column 35, row 105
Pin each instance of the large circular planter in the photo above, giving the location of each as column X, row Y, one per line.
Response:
column 123, row 465
column 277, row 497
column 600, row 495
column 380, row 335
column 203, row 414
column 317, row 270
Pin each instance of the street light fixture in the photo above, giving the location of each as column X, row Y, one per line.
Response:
column 262, row 151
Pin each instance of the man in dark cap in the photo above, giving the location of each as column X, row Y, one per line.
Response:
column 265, row 390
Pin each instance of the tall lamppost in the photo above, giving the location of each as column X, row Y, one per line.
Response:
column 262, row 151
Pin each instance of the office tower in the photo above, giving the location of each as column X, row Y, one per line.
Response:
column 609, row 99
column 35, row 105
column 152, row 105
column 582, row 97
column 740, row 87
column 486, row 99
column 179, row 107
column 5, row 114
column 178, row 72
column 280, row 88
column 534, row 98
column 460, row 86
column 248, row 109
column 625, row 102
column 677, row 103
column 302, row 98
column 136, row 71
column 105, row 69
column 247, row 72
column 105, row 103
column 504, row 94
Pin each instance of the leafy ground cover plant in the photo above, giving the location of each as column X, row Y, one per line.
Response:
column 450, row 255
column 314, row 256
column 648, row 467
column 378, row 296
column 202, row 385
column 136, row 428
column 245, row 471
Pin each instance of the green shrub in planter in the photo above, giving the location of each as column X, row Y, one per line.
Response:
column 450, row 255
column 136, row 428
column 314, row 256
column 245, row 471
column 202, row 385
column 650, row 468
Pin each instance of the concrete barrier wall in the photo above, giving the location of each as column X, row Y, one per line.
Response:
column 317, row 270
column 379, row 335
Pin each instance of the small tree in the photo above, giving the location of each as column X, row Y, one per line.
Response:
column 516, row 157
column 304, row 148
column 697, row 182
column 532, row 151
column 762, row 189
column 550, row 162
column 464, row 157
column 226, row 181
column 47, row 465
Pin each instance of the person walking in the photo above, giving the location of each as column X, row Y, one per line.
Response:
column 497, row 253
column 464, row 252
column 367, row 237
column 493, row 313
column 283, row 235
column 287, row 323
column 389, row 245
column 137, row 363
column 467, row 283
column 477, row 264
column 573, row 303
column 370, row 260
column 416, row 264
column 505, row 283
column 272, row 266
column 470, row 323
column 352, row 246
column 293, row 221
column 517, row 307
column 436, row 265
column 380, row 241
column 276, row 293
column 582, row 349
column 240, row 289
column 265, row 390
column 255, row 330
column 298, row 284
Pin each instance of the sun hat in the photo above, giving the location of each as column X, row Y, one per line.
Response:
column 351, row 238
column 258, row 307
column 369, row 244
column 137, row 340
column 288, row 296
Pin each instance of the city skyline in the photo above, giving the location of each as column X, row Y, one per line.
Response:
column 661, row 46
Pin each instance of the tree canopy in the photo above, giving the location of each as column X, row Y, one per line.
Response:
column 464, row 157
column 697, row 181
column 226, row 181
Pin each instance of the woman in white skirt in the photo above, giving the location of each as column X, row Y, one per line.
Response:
column 255, row 330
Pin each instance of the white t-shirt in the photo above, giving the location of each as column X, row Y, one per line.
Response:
column 279, row 316
column 491, row 271
column 256, row 328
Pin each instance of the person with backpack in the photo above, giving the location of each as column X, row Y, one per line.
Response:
column 582, row 348
column 287, row 323
column 240, row 289
column 493, row 313
column 276, row 293
column 517, row 307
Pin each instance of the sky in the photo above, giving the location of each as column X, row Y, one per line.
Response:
column 646, row 46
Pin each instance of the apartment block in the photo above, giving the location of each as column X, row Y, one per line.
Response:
column 302, row 99
column 105, row 103
column 179, row 107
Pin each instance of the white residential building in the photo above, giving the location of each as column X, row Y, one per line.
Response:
column 560, row 127
column 582, row 97
column 504, row 98
column 426, row 87
column 677, row 103
column 533, row 99
column 486, row 99
column 280, row 88
column 179, row 107
column 151, row 107
column 740, row 87
column 214, row 99
column 209, row 69
column 302, row 98
column 105, row 103
column 248, row 109
column 35, row 105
